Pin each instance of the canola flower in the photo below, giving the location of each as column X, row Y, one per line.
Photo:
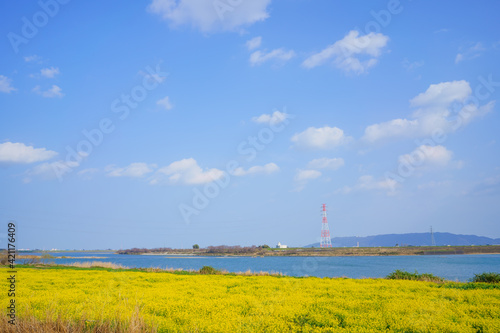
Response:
column 169, row 302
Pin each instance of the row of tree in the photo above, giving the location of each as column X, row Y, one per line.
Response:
column 136, row 250
column 221, row 249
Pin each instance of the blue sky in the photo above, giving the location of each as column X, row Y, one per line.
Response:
column 175, row 122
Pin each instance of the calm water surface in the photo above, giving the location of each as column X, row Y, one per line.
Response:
column 452, row 267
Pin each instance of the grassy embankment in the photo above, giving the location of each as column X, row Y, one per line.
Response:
column 75, row 299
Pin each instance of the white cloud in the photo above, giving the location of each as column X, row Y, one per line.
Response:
column 442, row 107
column 265, row 169
column 165, row 103
column 410, row 66
column 303, row 175
column 134, row 170
column 275, row 118
column 211, row 15
column 32, row 58
column 5, row 85
column 20, row 153
column 320, row 138
column 326, row 163
column 353, row 53
column 441, row 30
column 433, row 185
column 50, row 171
column 54, row 91
column 280, row 55
column 392, row 128
column 153, row 77
column 53, row 170
column 427, row 157
column 87, row 173
column 443, row 94
column 254, row 43
column 486, row 187
column 49, row 72
column 369, row 183
column 186, row 171
column 470, row 52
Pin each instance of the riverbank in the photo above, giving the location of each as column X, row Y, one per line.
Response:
column 118, row 300
column 318, row 252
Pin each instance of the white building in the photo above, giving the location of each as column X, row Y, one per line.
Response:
column 281, row 246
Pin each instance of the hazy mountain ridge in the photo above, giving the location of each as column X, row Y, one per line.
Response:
column 412, row 239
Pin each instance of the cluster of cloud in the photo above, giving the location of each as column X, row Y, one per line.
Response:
column 434, row 109
column 471, row 52
column 425, row 158
column 183, row 172
column 353, row 53
column 211, row 16
column 441, row 109
column 437, row 110
column 188, row 172
column 49, row 73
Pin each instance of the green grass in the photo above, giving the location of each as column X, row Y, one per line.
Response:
column 403, row 275
column 468, row 286
column 489, row 277
column 209, row 270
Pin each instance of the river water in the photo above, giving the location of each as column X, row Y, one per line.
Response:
column 451, row 267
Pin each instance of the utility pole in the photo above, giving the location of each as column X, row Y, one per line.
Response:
column 433, row 241
column 325, row 230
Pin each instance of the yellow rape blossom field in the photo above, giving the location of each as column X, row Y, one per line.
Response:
column 135, row 301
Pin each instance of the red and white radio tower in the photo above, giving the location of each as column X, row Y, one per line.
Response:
column 325, row 231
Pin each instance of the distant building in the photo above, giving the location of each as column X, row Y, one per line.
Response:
column 281, row 246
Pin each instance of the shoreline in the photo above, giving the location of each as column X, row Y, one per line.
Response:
column 335, row 252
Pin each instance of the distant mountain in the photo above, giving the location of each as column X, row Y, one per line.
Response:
column 414, row 239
